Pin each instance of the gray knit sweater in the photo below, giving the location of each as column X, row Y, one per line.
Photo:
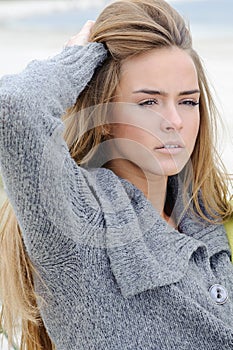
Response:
column 116, row 277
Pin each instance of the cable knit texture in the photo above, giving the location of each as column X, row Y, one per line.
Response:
column 117, row 276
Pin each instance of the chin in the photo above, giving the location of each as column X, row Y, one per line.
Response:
column 164, row 169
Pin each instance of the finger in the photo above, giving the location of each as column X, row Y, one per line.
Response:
column 83, row 36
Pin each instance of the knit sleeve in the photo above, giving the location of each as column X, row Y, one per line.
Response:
column 37, row 170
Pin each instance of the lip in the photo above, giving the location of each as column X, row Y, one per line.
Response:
column 175, row 148
column 170, row 143
column 169, row 151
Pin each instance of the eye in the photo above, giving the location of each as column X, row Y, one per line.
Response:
column 190, row 103
column 149, row 102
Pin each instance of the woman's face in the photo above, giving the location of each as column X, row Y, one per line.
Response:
column 155, row 118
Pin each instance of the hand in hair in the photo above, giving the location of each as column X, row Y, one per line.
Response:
column 83, row 36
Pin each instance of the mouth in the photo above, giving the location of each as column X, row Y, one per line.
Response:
column 170, row 146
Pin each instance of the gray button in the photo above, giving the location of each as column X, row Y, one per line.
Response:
column 218, row 293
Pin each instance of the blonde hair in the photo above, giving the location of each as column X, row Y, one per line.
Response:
column 126, row 28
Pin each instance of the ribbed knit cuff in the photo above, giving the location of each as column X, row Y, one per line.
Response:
column 81, row 61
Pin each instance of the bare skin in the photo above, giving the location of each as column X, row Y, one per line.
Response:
column 155, row 120
column 155, row 139
column 82, row 37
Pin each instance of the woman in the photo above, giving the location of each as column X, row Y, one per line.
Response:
column 119, row 242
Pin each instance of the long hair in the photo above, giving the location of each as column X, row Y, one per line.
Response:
column 126, row 28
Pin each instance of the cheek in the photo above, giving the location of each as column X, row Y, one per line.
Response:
column 129, row 120
column 129, row 132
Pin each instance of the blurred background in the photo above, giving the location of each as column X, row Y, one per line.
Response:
column 33, row 29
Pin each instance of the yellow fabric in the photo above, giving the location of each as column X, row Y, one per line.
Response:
column 229, row 229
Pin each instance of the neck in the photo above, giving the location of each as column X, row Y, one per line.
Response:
column 153, row 186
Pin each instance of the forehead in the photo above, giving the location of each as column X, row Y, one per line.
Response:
column 161, row 68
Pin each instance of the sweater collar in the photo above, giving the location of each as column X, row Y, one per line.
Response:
column 145, row 252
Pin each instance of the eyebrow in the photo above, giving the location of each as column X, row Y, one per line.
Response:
column 163, row 93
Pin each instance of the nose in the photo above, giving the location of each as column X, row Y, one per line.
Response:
column 171, row 120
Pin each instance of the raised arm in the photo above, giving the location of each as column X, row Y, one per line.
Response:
column 35, row 161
